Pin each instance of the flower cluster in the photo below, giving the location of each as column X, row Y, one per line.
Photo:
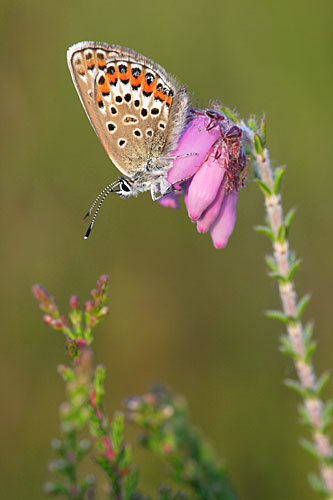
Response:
column 210, row 178
column 78, row 326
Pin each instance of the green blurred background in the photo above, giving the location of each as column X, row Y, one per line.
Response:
column 182, row 313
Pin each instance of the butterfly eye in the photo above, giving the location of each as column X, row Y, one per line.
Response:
column 124, row 186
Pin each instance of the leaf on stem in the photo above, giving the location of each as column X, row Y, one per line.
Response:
column 321, row 382
column 265, row 189
column 258, row 144
column 288, row 220
column 265, row 230
column 281, row 236
column 309, row 447
column 296, row 386
column 229, row 114
column 317, row 484
column 278, row 178
column 277, row 315
column 287, row 347
column 327, row 415
column 302, row 305
column 263, row 131
column 252, row 124
column 293, row 269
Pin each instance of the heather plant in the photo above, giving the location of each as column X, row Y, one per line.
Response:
column 210, row 185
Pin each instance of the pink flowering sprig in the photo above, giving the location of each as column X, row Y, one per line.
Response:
column 78, row 326
column 297, row 343
column 166, row 430
column 83, row 409
column 75, row 412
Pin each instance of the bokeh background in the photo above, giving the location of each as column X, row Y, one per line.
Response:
column 182, row 313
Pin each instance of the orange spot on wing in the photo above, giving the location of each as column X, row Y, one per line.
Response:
column 137, row 81
column 101, row 63
column 113, row 78
column 159, row 95
column 127, row 75
column 104, row 88
column 169, row 100
column 149, row 88
column 90, row 63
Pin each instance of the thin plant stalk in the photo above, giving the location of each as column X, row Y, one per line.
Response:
column 315, row 413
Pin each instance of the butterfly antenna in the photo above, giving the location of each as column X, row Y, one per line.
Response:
column 109, row 189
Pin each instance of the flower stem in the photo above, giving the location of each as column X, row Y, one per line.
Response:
column 316, row 414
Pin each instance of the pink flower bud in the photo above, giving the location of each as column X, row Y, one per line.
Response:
column 89, row 305
column 40, row 293
column 81, row 343
column 58, row 324
column 47, row 319
column 206, row 182
column 210, row 214
column 104, row 311
column 102, row 282
column 225, row 221
column 74, row 302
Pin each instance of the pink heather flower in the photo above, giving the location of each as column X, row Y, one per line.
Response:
column 74, row 302
column 209, row 180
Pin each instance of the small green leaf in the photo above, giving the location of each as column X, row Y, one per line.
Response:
column 258, row 145
column 295, row 386
column 277, row 315
column 305, row 419
column 252, row 124
column 288, row 219
column 302, row 305
column 265, row 230
column 229, row 114
column 130, row 482
column 98, row 382
column 278, row 178
column 327, row 415
column 263, row 130
column 293, row 269
column 321, row 382
column 308, row 330
column 286, row 345
column 265, row 189
column 271, row 263
column 309, row 447
column 66, row 373
column 310, row 347
column 117, row 431
column 278, row 276
column 281, row 236
column 317, row 484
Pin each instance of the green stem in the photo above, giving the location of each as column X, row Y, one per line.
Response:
column 300, row 349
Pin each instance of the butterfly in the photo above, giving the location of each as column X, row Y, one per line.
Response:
column 138, row 112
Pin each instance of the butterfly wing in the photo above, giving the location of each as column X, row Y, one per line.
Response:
column 129, row 101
